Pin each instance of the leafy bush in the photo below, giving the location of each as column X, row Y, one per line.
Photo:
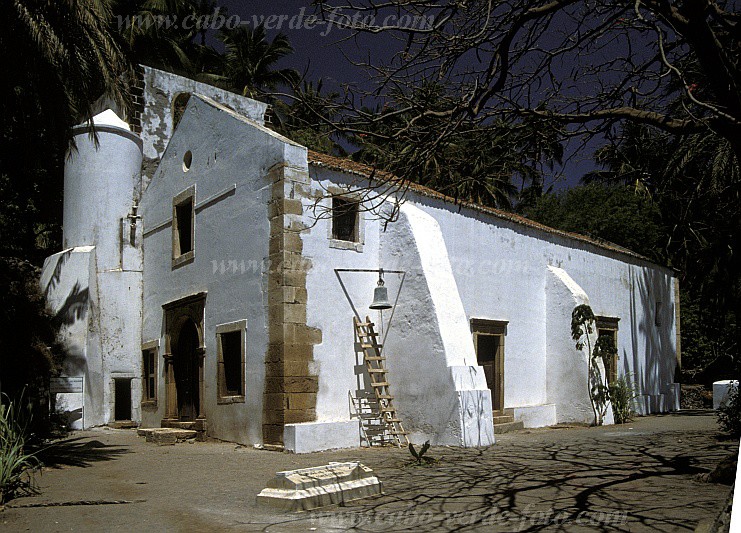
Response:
column 622, row 394
column 32, row 352
column 729, row 413
column 17, row 467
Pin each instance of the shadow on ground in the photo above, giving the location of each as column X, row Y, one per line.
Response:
column 618, row 481
column 81, row 452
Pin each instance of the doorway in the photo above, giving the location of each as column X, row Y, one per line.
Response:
column 183, row 359
column 488, row 340
column 186, row 368
column 122, row 399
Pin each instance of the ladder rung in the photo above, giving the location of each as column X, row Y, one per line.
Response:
column 374, row 358
column 380, row 384
column 385, row 397
column 387, row 410
column 377, row 370
column 392, row 420
column 398, row 433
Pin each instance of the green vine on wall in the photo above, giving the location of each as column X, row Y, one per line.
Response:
column 582, row 326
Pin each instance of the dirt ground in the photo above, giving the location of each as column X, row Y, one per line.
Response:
column 636, row 477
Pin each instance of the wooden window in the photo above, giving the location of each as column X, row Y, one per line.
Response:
column 345, row 219
column 231, row 348
column 608, row 327
column 183, row 227
column 488, row 339
column 149, row 375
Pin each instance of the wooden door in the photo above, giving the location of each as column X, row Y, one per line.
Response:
column 187, row 372
column 488, row 339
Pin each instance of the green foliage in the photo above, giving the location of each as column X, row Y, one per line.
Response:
column 622, row 395
column 617, row 214
column 58, row 59
column 16, row 465
column 582, row 326
column 307, row 118
column 149, row 32
column 31, row 353
column 582, row 320
column 694, row 182
column 249, row 65
column 604, row 348
column 419, row 456
column 729, row 414
column 465, row 160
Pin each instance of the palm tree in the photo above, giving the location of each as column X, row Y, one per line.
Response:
column 59, row 57
column 307, row 118
column 150, row 33
column 249, row 63
column 64, row 50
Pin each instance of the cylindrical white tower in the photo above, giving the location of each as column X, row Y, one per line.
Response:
column 101, row 191
column 101, row 184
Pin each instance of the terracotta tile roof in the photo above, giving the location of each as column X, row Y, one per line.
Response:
column 365, row 171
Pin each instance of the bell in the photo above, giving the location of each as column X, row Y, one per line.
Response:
column 381, row 298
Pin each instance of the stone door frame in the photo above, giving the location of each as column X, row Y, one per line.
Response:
column 177, row 313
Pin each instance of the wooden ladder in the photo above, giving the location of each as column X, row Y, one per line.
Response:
column 376, row 367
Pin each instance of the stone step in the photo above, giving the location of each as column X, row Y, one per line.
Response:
column 503, row 419
column 123, row 424
column 508, row 426
column 167, row 435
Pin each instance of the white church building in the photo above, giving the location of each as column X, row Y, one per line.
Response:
column 212, row 270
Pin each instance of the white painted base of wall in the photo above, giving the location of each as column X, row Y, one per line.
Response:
column 721, row 390
column 671, row 397
column 536, row 416
column 647, row 404
column 318, row 436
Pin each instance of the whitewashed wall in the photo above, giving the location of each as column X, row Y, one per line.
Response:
column 231, row 249
column 501, row 269
column 162, row 88
column 95, row 287
column 448, row 403
column 327, row 308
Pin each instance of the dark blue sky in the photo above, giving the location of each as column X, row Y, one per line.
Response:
column 322, row 52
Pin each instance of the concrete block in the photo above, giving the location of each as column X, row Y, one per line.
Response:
column 535, row 416
column 721, row 391
column 318, row 436
column 311, row 488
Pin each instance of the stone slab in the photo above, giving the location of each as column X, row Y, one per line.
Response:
column 311, row 488
column 166, row 435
